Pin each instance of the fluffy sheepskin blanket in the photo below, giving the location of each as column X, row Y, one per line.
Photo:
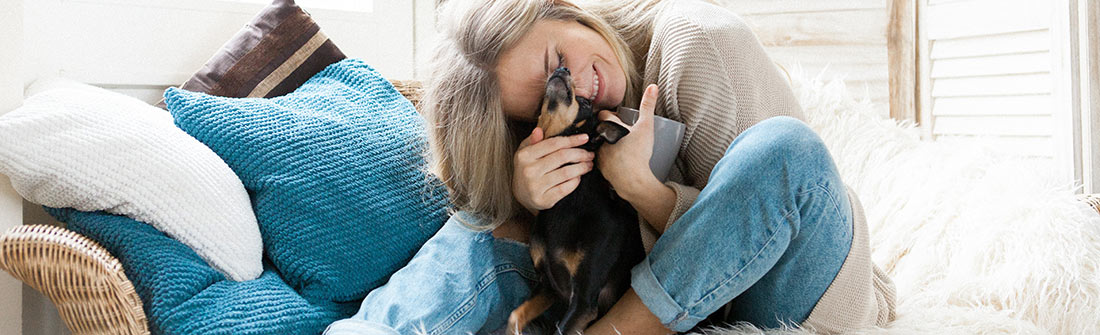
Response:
column 976, row 242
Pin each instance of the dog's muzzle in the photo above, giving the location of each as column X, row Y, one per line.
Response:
column 558, row 89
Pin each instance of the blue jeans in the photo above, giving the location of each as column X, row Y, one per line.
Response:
column 766, row 236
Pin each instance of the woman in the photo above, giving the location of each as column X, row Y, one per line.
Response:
column 754, row 226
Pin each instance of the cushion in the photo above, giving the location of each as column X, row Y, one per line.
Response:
column 91, row 149
column 272, row 55
column 335, row 171
column 182, row 295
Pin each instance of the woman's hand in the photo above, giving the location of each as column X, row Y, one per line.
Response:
column 625, row 164
column 541, row 177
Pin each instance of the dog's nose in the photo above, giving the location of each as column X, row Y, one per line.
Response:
column 561, row 71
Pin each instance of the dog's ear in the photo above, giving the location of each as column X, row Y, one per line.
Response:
column 611, row 131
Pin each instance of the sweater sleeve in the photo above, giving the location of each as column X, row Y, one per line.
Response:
column 715, row 77
column 685, row 197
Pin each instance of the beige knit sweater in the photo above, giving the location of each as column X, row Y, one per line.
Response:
column 715, row 77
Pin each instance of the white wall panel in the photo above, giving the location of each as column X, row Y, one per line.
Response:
column 843, row 38
column 142, row 46
column 11, row 212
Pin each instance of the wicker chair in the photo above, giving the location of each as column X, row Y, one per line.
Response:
column 88, row 285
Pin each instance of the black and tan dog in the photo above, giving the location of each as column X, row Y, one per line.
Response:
column 584, row 246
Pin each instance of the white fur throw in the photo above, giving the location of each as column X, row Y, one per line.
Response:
column 976, row 242
column 74, row 145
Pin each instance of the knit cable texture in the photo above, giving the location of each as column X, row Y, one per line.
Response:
column 182, row 295
column 335, row 173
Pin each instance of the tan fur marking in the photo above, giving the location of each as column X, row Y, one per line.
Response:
column 537, row 252
column 527, row 312
column 555, row 122
column 571, row 260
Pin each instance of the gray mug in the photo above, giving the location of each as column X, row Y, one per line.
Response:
column 667, row 136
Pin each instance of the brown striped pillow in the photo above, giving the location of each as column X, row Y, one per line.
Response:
column 271, row 56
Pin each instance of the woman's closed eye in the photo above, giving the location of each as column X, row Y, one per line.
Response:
column 561, row 62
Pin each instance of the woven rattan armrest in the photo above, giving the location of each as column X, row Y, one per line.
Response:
column 86, row 283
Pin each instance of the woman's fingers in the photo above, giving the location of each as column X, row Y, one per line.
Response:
column 535, row 137
column 565, row 156
column 547, row 169
column 535, row 170
column 648, row 105
column 545, row 147
column 559, row 191
column 568, row 172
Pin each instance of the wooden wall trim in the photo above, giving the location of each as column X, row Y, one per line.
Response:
column 901, row 45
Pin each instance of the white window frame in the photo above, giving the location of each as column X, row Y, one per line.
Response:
column 1089, row 37
column 1077, row 89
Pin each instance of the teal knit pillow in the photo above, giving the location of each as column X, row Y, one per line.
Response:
column 335, row 174
column 181, row 294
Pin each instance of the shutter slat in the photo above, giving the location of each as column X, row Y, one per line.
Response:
column 999, row 44
column 976, row 18
column 1027, row 146
column 992, row 85
column 1036, row 105
column 1036, row 62
column 1001, row 125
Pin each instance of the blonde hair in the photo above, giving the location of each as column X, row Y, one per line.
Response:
column 471, row 142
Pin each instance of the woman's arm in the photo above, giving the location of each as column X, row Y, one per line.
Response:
column 654, row 201
column 628, row 316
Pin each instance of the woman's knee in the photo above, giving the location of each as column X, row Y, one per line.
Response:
column 783, row 137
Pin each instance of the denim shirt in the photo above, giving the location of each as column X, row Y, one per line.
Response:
column 460, row 282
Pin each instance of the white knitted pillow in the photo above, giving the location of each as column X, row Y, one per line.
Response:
column 91, row 149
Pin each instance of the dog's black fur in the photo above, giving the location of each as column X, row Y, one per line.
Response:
column 584, row 246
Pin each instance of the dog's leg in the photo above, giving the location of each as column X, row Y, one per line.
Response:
column 528, row 311
column 581, row 312
column 583, row 305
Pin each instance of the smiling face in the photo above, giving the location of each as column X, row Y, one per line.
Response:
column 524, row 68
